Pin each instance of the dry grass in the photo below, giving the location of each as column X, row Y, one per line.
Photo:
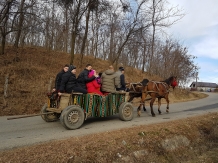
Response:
column 201, row 131
column 30, row 72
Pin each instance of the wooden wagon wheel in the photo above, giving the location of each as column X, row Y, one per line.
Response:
column 72, row 117
column 126, row 111
column 49, row 117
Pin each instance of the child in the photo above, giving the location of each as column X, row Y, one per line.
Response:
column 93, row 86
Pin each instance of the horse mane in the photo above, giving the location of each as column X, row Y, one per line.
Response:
column 169, row 80
column 144, row 82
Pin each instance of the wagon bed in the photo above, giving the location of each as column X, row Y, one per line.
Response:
column 73, row 109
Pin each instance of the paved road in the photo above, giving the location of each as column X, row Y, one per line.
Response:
column 28, row 131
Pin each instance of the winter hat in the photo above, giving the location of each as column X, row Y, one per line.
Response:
column 91, row 73
column 121, row 68
column 71, row 67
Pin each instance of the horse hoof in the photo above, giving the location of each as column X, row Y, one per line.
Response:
column 144, row 109
column 153, row 115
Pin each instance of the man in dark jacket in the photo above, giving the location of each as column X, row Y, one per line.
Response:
column 69, row 82
column 59, row 77
column 122, row 85
column 83, row 76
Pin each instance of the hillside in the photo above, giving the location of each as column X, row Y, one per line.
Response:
column 31, row 72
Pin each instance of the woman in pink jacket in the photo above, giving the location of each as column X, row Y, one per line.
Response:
column 93, row 86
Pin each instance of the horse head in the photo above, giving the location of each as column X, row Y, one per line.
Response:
column 173, row 81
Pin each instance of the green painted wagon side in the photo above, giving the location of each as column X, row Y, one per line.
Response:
column 73, row 109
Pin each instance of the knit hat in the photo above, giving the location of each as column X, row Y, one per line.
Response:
column 71, row 67
column 91, row 73
column 121, row 68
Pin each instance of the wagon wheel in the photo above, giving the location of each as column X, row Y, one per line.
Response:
column 49, row 117
column 126, row 111
column 72, row 117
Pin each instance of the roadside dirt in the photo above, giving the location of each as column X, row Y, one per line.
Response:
column 196, row 142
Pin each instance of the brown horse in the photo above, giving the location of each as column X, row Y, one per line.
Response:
column 156, row 89
column 135, row 90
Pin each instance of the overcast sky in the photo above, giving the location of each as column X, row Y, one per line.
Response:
column 199, row 32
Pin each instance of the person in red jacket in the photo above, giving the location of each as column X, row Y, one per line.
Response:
column 93, row 86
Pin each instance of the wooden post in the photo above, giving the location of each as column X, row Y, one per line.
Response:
column 49, row 85
column 196, row 81
column 6, row 85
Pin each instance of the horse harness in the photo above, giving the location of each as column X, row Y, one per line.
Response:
column 155, row 85
column 132, row 86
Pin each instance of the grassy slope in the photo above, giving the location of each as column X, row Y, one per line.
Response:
column 30, row 74
column 32, row 70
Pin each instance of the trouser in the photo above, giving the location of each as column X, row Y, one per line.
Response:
column 80, row 89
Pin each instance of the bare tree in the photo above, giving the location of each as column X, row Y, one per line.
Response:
column 20, row 24
column 161, row 17
column 4, row 18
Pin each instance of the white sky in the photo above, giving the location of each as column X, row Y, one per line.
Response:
column 199, row 32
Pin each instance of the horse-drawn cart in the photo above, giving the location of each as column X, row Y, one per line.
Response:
column 73, row 109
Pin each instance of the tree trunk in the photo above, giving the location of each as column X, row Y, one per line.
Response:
column 110, row 57
column 3, row 44
column 85, row 36
column 73, row 40
column 51, row 45
column 153, row 37
column 66, row 31
column 20, row 24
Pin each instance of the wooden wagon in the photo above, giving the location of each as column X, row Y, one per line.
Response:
column 73, row 109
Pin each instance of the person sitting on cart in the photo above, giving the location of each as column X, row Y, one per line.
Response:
column 109, row 81
column 69, row 82
column 59, row 77
column 83, row 78
column 93, row 86
column 122, row 83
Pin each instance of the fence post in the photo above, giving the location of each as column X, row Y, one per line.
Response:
column 6, row 85
column 49, row 85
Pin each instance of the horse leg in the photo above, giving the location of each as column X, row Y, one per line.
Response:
column 151, row 106
column 131, row 97
column 144, row 107
column 139, row 110
column 142, row 103
column 167, row 99
column 159, row 103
